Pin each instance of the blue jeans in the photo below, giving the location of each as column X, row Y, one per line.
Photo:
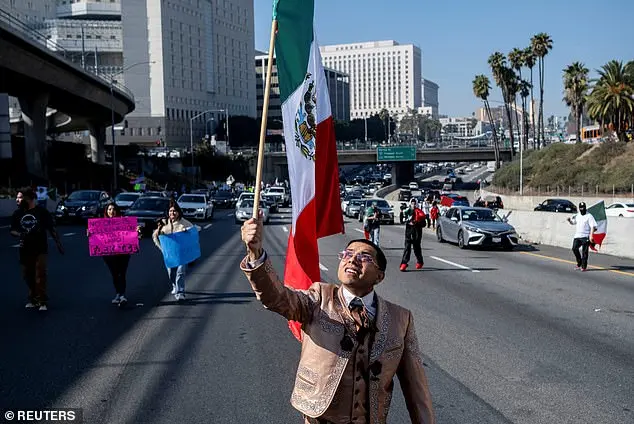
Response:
column 177, row 277
column 375, row 235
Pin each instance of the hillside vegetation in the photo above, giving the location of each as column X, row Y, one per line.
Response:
column 608, row 165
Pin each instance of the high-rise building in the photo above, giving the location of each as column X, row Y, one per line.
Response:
column 186, row 61
column 337, row 82
column 383, row 75
column 430, row 97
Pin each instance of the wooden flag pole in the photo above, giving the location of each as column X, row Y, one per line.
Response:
column 265, row 112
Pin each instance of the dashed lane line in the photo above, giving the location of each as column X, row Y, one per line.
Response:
column 360, row 231
column 69, row 234
column 284, row 228
column 454, row 264
column 322, row 267
column 2, row 227
column 230, row 214
column 552, row 258
column 206, row 227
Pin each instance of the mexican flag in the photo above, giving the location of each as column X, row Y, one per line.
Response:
column 310, row 142
column 598, row 212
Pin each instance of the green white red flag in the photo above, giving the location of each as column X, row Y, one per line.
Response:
column 310, row 142
column 598, row 212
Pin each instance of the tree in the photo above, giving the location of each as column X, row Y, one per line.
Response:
column 612, row 98
column 541, row 44
column 497, row 62
column 481, row 89
column 575, row 90
column 517, row 58
column 525, row 89
column 529, row 61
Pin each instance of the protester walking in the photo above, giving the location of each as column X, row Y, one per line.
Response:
column 434, row 213
column 586, row 225
column 354, row 342
column 31, row 223
column 414, row 223
column 174, row 223
column 117, row 264
column 373, row 218
column 426, row 207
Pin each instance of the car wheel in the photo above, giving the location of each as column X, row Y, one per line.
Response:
column 621, row 216
column 508, row 247
column 439, row 235
column 461, row 243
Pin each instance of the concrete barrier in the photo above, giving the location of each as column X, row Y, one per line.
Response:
column 553, row 229
column 528, row 203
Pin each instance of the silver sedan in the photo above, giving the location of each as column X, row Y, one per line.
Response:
column 244, row 212
column 471, row 226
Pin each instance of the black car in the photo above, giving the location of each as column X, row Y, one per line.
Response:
column 491, row 202
column 557, row 205
column 82, row 204
column 224, row 199
column 148, row 211
column 404, row 195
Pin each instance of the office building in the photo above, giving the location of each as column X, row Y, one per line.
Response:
column 338, row 89
column 186, row 62
column 382, row 74
column 430, row 97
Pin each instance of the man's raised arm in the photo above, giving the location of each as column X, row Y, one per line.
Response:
column 294, row 305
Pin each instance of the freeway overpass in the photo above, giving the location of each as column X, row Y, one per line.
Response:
column 38, row 74
column 276, row 165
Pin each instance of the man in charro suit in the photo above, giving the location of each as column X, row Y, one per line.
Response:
column 354, row 341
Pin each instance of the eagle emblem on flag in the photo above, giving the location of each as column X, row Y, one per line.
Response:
column 305, row 122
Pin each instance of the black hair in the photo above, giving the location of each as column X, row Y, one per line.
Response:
column 177, row 208
column 380, row 256
column 117, row 210
column 28, row 193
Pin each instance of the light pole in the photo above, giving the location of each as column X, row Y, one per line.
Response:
column 114, row 156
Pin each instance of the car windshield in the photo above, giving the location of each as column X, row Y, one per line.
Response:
column 153, row 193
column 630, row 205
column 151, row 204
column 248, row 203
column 191, row 199
column 276, row 190
column 84, row 196
column 486, row 215
column 224, row 195
column 356, row 202
column 127, row 197
column 379, row 203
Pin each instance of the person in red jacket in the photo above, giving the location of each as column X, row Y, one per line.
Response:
column 434, row 213
column 414, row 218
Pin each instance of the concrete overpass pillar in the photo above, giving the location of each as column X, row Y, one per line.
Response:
column 402, row 173
column 97, row 143
column 34, row 118
column 5, row 128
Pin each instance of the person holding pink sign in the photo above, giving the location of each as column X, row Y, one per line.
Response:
column 117, row 263
column 174, row 224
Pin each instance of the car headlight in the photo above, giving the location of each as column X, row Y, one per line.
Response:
column 200, row 210
column 61, row 207
column 473, row 229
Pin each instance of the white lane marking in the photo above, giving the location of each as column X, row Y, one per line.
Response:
column 16, row 245
column 206, row 227
column 5, row 226
column 454, row 264
column 198, row 228
column 231, row 214
column 323, row 268
column 69, row 234
column 360, row 231
column 284, row 228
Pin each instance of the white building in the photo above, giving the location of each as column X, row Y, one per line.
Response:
column 182, row 59
column 460, row 127
column 383, row 75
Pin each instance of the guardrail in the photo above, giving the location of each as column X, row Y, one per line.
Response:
column 30, row 33
column 361, row 145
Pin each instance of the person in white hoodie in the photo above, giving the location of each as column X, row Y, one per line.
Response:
column 175, row 223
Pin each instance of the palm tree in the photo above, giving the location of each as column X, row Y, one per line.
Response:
column 516, row 59
column 481, row 89
column 384, row 114
column 612, row 98
column 575, row 90
column 529, row 60
column 525, row 91
column 541, row 44
column 497, row 62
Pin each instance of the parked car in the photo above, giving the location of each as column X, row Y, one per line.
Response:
column 126, row 199
column 347, row 200
column 82, row 204
column 148, row 210
column 196, row 206
column 491, row 202
column 404, row 195
column 245, row 212
column 224, row 199
column 622, row 210
column 471, row 226
column 413, row 185
column 387, row 213
column 353, row 208
column 557, row 205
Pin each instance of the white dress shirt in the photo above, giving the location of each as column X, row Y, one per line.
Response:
column 368, row 301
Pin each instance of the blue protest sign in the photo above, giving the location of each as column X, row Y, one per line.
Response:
column 180, row 248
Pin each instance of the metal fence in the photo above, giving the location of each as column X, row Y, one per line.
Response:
column 16, row 26
column 363, row 145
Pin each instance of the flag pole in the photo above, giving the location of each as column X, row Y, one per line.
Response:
column 265, row 112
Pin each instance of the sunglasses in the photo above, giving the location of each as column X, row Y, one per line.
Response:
column 360, row 257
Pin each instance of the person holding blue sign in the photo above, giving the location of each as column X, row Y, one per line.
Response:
column 177, row 238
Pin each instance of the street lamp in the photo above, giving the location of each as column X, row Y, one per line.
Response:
column 114, row 160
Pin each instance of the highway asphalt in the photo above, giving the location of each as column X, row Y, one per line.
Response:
column 508, row 337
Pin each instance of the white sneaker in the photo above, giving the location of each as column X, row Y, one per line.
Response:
column 174, row 292
column 116, row 299
column 180, row 296
column 43, row 308
column 122, row 299
column 30, row 305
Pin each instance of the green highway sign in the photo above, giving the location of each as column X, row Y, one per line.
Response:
column 396, row 153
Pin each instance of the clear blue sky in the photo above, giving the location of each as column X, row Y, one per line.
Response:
column 456, row 37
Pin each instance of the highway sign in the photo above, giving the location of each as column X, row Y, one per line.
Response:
column 396, row 153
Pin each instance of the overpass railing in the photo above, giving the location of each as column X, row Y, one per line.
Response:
column 362, row 145
column 73, row 58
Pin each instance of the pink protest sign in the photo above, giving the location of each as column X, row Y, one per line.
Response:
column 113, row 236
